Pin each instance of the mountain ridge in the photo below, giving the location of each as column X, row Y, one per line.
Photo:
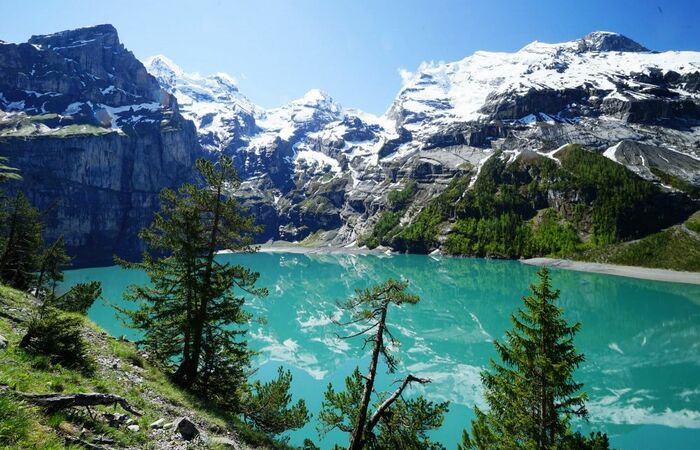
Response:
column 313, row 166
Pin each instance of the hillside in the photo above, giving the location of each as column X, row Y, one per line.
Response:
column 120, row 370
column 676, row 248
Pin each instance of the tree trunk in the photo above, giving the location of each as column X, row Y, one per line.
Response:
column 55, row 402
column 8, row 246
column 184, row 370
column 201, row 318
column 357, row 436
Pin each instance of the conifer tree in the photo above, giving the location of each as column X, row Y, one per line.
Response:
column 190, row 312
column 531, row 394
column 400, row 423
column 78, row 299
column 51, row 264
column 22, row 241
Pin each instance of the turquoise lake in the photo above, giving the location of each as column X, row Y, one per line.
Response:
column 641, row 338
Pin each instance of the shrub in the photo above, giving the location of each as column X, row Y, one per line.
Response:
column 57, row 336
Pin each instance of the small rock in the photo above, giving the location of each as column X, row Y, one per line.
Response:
column 187, row 429
column 135, row 428
column 116, row 419
column 223, row 441
column 157, row 424
column 3, row 342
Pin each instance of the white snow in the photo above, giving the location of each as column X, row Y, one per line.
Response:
column 462, row 87
column 317, row 159
column 73, row 108
column 611, row 152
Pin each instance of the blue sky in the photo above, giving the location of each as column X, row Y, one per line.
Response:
column 353, row 49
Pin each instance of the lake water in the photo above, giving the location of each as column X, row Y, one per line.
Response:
column 641, row 338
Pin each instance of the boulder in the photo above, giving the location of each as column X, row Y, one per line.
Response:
column 3, row 342
column 187, row 429
column 134, row 428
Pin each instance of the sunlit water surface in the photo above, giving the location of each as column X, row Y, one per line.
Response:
column 641, row 338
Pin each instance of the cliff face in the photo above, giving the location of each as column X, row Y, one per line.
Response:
column 94, row 137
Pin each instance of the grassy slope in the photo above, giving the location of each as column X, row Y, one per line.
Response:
column 676, row 248
column 120, row 370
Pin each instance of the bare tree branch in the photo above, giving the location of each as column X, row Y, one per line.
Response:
column 392, row 398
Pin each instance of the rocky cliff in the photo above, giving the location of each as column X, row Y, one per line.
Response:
column 94, row 136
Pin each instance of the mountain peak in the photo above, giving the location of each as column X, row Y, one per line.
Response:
column 606, row 41
column 316, row 96
column 161, row 64
column 105, row 34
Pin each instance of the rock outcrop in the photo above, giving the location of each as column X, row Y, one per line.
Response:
column 94, row 136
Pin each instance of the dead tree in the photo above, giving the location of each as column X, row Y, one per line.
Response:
column 56, row 402
column 368, row 309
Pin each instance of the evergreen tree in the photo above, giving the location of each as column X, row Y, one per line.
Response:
column 51, row 264
column 400, row 423
column 189, row 312
column 79, row 298
column 532, row 394
column 21, row 244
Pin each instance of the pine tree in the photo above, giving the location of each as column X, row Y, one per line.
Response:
column 189, row 312
column 78, row 299
column 22, row 243
column 51, row 264
column 401, row 423
column 531, row 393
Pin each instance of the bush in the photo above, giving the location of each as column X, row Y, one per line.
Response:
column 79, row 298
column 57, row 336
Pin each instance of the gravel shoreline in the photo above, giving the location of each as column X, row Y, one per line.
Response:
column 622, row 271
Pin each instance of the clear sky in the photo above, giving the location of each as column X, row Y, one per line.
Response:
column 353, row 49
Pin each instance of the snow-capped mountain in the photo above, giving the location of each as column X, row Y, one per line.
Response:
column 87, row 122
column 599, row 91
column 480, row 86
column 219, row 111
